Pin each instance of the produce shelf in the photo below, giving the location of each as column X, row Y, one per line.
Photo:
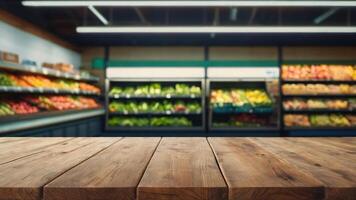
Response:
column 320, row 95
column 229, row 113
column 320, row 111
column 321, row 81
column 46, row 72
column 155, row 128
column 156, row 90
column 155, row 97
column 156, row 113
column 14, row 89
column 35, row 120
column 231, row 128
column 332, row 128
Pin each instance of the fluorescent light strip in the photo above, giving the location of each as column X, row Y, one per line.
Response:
column 218, row 29
column 212, row 3
column 98, row 15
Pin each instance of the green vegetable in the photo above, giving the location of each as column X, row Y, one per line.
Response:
column 156, row 89
column 154, row 107
column 155, row 122
column 5, row 80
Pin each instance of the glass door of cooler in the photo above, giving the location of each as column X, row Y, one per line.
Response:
column 243, row 105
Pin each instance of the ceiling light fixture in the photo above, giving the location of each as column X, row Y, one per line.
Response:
column 192, row 3
column 98, row 15
column 219, row 29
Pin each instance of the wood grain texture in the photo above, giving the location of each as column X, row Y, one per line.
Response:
column 23, row 178
column 346, row 143
column 327, row 151
column 328, row 166
column 253, row 173
column 16, row 149
column 113, row 174
column 182, row 169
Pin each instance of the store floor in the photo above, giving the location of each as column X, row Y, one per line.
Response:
column 177, row 168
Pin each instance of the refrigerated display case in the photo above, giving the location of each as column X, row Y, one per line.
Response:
column 319, row 97
column 243, row 105
column 243, row 99
column 155, row 104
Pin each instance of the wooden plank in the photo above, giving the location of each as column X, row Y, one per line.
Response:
column 343, row 143
column 345, row 157
column 8, row 140
column 182, row 169
column 23, row 179
column 16, row 149
column 35, row 30
column 112, row 174
column 253, row 173
column 339, row 180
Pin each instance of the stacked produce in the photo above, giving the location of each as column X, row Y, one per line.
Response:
column 314, row 89
column 156, row 89
column 12, row 107
column 88, row 87
column 315, row 104
column 5, row 80
column 319, row 72
column 147, row 122
column 34, row 104
column 5, row 109
column 296, row 120
column 243, row 120
column 155, row 107
column 62, row 102
column 239, row 100
column 39, row 81
column 332, row 120
column 64, row 67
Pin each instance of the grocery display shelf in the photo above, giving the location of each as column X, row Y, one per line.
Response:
column 262, row 112
column 198, row 118
column 320, row 111
column 233, row 128
column 155, row 128
column 15, row 89
column 320, row 95
column 155, row 97
column 35, row 120
column 155, row 113
column 46, row 72
column 331, row 128
column 321, row 81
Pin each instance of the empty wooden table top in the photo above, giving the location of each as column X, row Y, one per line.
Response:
column 177, row 168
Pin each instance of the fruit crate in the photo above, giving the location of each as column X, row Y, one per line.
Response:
column 221, row 113
column 156, row 90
